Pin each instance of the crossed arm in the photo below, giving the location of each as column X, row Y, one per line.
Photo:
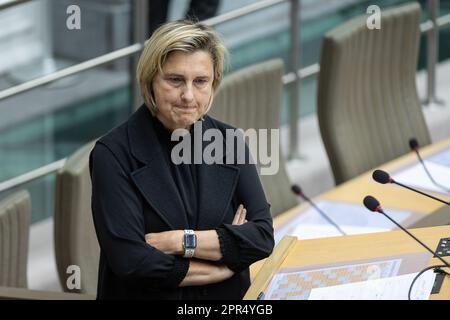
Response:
column 201, row 271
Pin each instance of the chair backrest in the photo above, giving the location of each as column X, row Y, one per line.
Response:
column 76, row 243
column 252, row 98
column 368, row 106
column 15, row 217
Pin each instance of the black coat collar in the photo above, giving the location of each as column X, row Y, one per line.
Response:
column 216, row 183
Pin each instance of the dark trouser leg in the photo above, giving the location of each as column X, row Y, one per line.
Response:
column 157, row 13
column 202, row 9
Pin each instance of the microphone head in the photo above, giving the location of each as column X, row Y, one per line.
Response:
column 371, row 203
column 381, row 176
column 413, row 144
column 296, row 189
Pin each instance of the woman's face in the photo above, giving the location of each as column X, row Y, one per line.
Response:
column 183, row 89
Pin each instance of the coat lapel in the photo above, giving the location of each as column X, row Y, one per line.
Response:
column 216, row 185
column 154, row 179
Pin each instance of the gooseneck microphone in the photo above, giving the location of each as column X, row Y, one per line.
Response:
column 373, row 205
column 298, row 191
column 383, row 177
column 414, row 146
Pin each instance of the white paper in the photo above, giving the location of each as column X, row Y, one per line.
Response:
column 351, row 218
column 308, row 231
column 442, row 158
column 394, row 288
column 415, row 176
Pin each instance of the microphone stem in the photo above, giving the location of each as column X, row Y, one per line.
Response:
column 422, row 193
column 412, row 236
column 429, row 174
column 324, row 215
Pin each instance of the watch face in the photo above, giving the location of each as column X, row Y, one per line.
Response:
column 190, row 241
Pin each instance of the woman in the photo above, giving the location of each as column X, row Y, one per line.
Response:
column 166, row 230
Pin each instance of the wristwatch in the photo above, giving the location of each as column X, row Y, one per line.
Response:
column 189, row 243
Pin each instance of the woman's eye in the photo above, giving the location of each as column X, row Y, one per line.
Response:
column 201, row 81
column 175, row 80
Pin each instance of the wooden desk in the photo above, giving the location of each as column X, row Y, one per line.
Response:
column 303, row 253
column 391, row 197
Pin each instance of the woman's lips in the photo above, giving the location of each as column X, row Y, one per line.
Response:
column 187, row 109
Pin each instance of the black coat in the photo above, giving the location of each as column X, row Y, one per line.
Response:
column 132, row 196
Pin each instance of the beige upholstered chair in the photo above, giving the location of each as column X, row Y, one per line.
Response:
column 15, row 217
column 251, row 98
column 75, row 239
column 368, row 106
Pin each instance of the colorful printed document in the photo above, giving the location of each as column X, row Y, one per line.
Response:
column 298, row 285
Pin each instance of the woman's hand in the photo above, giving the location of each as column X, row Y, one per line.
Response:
column 240, row 216
column 169, row 242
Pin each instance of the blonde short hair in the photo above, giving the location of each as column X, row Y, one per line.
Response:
column 185, row 36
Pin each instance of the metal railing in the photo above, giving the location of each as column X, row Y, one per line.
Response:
column 11, row 3
column 69, row 71
column 432, row 52
column 294, row 100
column 32, row 175
column 237, row 13
column 292, row 78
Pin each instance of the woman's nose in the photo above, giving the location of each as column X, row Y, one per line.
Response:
column 187, row 93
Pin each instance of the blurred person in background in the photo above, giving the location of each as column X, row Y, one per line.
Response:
column 198, row 10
